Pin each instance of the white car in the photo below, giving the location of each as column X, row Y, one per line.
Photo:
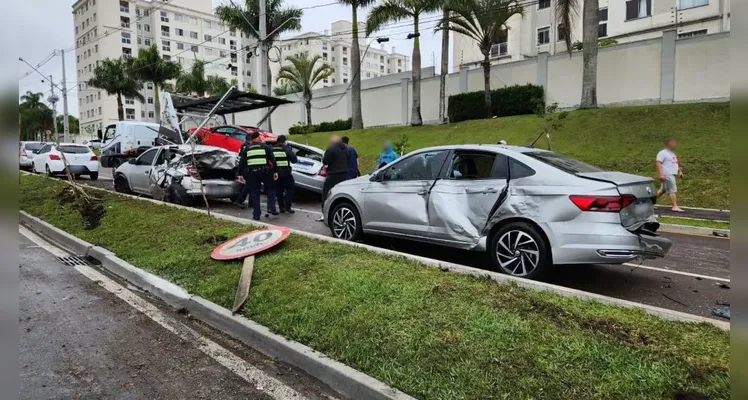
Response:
column 80, row 159
column 27, row 151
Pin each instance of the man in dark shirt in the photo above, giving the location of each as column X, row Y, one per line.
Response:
column 353, row 171
column 257, row 165
column 336, row 158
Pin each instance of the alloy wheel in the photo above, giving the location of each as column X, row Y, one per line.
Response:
column 518, row 253
column 344, row 223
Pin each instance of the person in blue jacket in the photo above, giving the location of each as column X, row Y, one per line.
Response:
column 387, row 155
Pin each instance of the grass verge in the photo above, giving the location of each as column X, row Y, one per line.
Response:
column 701, row 223
column 621, row 139
column 432, row 334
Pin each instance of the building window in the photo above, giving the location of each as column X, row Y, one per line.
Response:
column 560, row 33
column 180, row 46
column 368, row 75
column 99, row 110
column 151, row 114
column 324, row 56
column 221, row 40
column 208, row 38
column 128, row 100
column 164, row 31
column 98, row 96
column 124, row 22
column 602, row 30
column 194, row 49
column 638, row 9
column 150, row 100
column 399, row 63
column 345, row 50
column 139, row 41
column 333, row 80
column 208, row 51
column 543, row 4
column 692, row 3
column 179, row 32
column 234, row 71
column 126, row 37
column 399, row 70
column 149, row 86
column 127, row 52
column 146, row 27
column 129, row 113
column 164, row 16
column 497, row 50
column 142, row 113
column 179, row 17
column 691, row 34
column 167, row 57
column 147, row 42
column 345, row 80
column 544, row 36
column 232, row 44
column 124, row 6
column 193, row 35
column 232, row 33
column 345, row 60
column 165, row 45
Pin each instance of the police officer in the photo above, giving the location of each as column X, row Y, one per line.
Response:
column 257, row 165
column 284, row 157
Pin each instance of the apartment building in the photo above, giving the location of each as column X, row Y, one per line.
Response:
column 334, row 46
column 621, row 20
column 183, row 30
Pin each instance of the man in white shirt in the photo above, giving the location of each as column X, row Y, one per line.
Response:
column 667, row 168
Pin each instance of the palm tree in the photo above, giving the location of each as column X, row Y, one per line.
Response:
column 356, row 117
column 116, row 78
column 285, row 88
column 566, row 10
column 303, row 73
column 445, row 64
column 218, row 84
column 394, row 11
column 32, row 100
column 279, row 19
column 193, row 81
column 485, row 22
column 149, row 66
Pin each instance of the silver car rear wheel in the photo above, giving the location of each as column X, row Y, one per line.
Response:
column 345, row 223
column 518, row 253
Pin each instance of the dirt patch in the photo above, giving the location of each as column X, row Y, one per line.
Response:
column 616, row 331
column 689, row 396
column 214, row 239
column 90, row 208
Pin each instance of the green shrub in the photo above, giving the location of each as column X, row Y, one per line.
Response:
column 507, row 101
column 339, row 125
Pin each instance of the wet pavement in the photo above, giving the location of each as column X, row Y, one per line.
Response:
column 79, row 340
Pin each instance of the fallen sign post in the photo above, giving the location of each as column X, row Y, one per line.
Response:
column 246, row 246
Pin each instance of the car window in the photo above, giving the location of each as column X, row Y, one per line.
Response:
column 44, row 149
column 417, row 167
column 519, row 170
column 563, row 163
column 472, row 166
column 74, row 149
column 233, row 132
column 302, row 152
column 110, row 132
column 147, row 157
column 33, row 146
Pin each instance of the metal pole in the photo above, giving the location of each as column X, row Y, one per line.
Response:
column 65, row 121
column 263, row 52
column 53, row 99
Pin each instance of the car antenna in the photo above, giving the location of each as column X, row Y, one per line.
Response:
column 532, row 145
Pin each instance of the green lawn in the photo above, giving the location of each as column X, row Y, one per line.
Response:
column 701, row 223
column 624, row 139
column 432, row 334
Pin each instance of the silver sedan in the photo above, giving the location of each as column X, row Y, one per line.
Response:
column 527, row 208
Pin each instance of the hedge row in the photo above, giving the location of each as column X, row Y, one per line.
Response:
column 339, row 125
column 510, row 100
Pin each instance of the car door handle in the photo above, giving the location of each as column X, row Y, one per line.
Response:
column 490, row 190
column 147, row 171
column 423, row 192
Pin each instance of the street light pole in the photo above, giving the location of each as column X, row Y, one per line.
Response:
column 263, row 60
column 53, row 99
column 65, row 121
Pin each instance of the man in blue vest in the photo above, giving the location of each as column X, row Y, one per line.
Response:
column 284, row 157
column 257, row 165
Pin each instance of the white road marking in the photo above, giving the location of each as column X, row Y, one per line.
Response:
column 262, row 381
column 307, row 211
column 672, row 271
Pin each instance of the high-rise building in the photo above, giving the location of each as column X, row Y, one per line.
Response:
column 334, row 46
column 183, row 30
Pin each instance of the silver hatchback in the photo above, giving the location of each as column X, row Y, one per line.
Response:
column 527, row 208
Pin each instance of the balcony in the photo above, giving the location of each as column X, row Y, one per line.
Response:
column 500, row 50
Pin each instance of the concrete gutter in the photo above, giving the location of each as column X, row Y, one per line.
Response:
column 694, row 230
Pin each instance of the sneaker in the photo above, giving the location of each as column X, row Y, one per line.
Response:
column 241, row 205
column 256, row 218
column 282, row 210
column 290, row 211
column 320, row 219
column 274, row 212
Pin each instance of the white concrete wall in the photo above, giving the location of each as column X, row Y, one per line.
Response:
column 702, row 68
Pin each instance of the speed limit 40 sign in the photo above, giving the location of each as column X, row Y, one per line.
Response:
column 250, row 243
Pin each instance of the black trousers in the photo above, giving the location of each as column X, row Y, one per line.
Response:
column 330, row 182
column 284, row 187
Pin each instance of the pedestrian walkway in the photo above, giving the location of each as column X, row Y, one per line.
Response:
column 698, row 213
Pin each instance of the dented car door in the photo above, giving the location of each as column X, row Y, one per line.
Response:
column 461, row 203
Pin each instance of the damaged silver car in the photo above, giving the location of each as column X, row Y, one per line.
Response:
column 172, row 173
column 527, row 208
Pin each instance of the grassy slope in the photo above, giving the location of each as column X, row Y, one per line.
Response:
column 432, row 334
column 625, row 139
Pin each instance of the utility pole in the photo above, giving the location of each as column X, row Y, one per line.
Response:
column 53, row 99
column 65, row 121
column 263, row 60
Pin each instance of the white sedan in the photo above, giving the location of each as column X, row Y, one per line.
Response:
column 80, row 159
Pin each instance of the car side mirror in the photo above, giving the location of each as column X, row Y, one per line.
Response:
column 99, row 134
column 377, row 177
column 34, row 151
column 133, row 161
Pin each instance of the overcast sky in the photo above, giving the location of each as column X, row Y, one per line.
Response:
column 48, row 24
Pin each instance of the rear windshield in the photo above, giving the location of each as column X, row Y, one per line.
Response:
column 74, row 149
column 33, row 146
column 563, row 163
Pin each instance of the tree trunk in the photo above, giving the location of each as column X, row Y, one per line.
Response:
column 268, row 82
column 120, row 108
column 487, row 85
column 415, row 113
column 444, row 70
column 157, row 102
column 356, row 116
column 589, row 54
column 308, row 104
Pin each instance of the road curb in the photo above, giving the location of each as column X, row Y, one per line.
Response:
column 342, row 378
column 659, row 312
column 694, row 230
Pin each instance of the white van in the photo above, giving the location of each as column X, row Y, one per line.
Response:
column 123, row 140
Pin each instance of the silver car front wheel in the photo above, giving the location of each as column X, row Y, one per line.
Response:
column 519, row 250
column 345, row 222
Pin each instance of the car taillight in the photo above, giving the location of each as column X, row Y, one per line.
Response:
column 54, row 157
column 602, row 203
column 323, row 171
column 23, row 153
column 94, row 158
column 191, row 171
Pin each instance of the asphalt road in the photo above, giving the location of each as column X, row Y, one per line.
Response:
column 82, row 337
column 663, row 283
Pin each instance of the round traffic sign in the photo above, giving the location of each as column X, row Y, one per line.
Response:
column 250, row 243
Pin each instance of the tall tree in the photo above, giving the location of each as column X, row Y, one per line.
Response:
column 116, row 78
column 150, row 66
column 73, row 124
column 566, row 11
column 357, row 117
column 484, row 21
column 32, row 100
column 246, row 19
column 445, row 64
column 397, row 10
column 195, row 81
column 304, row 73
column 35, row 117
column 218, row 84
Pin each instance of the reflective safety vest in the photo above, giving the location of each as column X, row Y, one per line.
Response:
column 281, row 158
column 256, row 156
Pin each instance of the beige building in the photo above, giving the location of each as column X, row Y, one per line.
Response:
column 183, row 30
column 334, row 46
column 621, row 20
